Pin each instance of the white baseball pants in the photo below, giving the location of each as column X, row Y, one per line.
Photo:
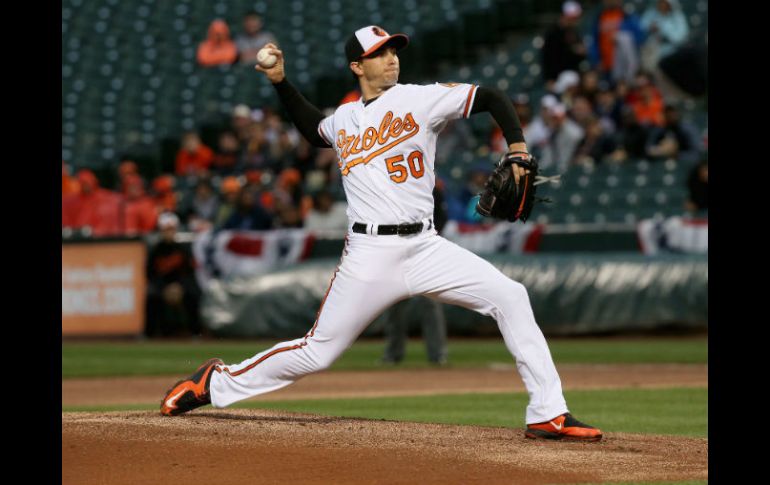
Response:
column 376, row 272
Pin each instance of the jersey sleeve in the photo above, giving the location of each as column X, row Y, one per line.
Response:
column 326, row 129
column 448, row 101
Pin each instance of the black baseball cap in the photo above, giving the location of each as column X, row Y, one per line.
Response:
column 366, row 40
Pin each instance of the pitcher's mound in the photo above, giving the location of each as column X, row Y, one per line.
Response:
column 241, row 447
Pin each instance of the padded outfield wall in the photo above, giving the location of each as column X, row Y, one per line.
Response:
column 572, row 294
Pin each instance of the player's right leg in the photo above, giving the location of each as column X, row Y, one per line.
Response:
column 367, row 281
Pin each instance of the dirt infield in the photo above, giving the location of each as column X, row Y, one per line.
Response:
column 239, row 447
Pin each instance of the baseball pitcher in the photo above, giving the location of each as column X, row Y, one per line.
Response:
column 385, row 143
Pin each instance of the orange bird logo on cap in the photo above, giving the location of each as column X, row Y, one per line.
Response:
column 379, row 32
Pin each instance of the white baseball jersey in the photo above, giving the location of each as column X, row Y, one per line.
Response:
column 386, row 149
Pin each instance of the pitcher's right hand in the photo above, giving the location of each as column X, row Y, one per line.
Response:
column 275, row 74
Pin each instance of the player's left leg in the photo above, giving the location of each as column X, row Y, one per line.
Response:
column 451, row 274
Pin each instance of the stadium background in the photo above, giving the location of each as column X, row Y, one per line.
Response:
column 131, row 88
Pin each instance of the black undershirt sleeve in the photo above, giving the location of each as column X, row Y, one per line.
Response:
column 501, row 108
column 303, row 114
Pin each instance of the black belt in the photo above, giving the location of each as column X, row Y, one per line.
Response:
column 389, row 230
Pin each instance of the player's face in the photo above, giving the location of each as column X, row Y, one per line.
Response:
column 381, row 68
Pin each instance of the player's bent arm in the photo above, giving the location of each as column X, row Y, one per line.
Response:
column 497, row 104
column 303, row 114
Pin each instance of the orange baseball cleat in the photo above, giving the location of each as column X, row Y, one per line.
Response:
column 190, row 393
column 563, row 427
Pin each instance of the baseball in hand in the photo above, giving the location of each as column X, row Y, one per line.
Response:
column 265, row 59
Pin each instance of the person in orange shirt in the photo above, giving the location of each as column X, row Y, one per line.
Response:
column 218, row 48
column 94, row 210
column 69, row 185
column 125, row 168
column 164, row 196
column 193, row 158
column 615, row 40
column 139, row 212
column 646, row 101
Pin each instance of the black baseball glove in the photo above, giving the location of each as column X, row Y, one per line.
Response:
column 502, row 198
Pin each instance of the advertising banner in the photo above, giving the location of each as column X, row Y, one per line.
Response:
column 103, row 288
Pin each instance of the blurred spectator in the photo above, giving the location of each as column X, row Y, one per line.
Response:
column 273, row 125
column 608, row 107
column 241, row 122
column 582, row 111
column 282, row 150
column 126, row 168
column 193, row 158
column 666, row 28
column 288, row 216
column 173, row 295
column 227, row 156
column 164, row 195
column 698, row 186
column 462, row 207
column 596, row 145
column 94, row 210
column 203, row 207
column 229, row 189
column 249, row 214
column 521, row 103
column 622, row 89
column 69, row 184
column 630, row 138
column 253, row 178
column 217, row 49
column 589, row 85
column 256, row 154
column 675, row 139
column 566, row 87
column 537, row 132
column 616, row 38
column 563, row 47
column 304, row 156
column 646, row 101
column 139, row 211
column 326, row 162
column 327, row 218
column 563, row 140
column 288, row 195
column 252, row 39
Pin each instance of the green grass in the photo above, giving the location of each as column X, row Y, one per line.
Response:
column 103, row 359
column 646, row 411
